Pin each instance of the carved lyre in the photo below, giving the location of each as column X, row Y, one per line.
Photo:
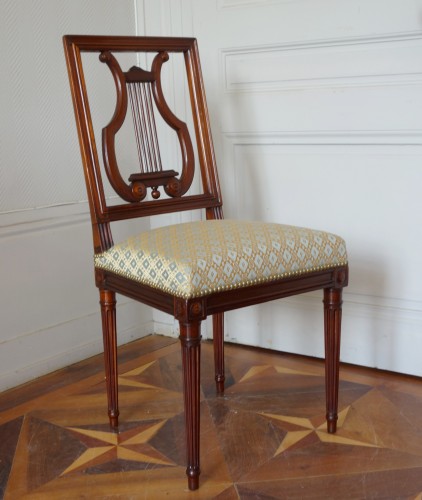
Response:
column 142, row 89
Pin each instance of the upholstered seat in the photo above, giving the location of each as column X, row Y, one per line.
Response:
column 199, row 258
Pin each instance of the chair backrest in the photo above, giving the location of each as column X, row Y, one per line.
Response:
column 140, row 98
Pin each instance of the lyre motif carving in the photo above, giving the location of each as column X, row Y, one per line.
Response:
column 142, row 89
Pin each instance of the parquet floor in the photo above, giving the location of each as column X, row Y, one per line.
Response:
column 264, row 439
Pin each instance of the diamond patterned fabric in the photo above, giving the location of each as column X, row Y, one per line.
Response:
column 198, row 258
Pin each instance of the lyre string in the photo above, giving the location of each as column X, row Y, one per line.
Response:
column 153, row 127
column 135, row 106
column 145, row 134
column 145, row 127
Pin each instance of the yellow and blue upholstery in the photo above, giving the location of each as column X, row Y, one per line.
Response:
column 198, row 258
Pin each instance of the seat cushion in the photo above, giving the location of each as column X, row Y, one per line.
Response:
column 198, row 258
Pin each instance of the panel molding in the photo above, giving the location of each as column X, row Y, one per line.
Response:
column 367, row 142
column 373, row 139
column 379, row 331
column 369, row 306
column 232, row 4
column 239, row 64
column 42, row 218
column 327, row 138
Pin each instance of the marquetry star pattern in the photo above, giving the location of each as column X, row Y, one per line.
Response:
column 131, row 445
column 299, row 430
column 256, row 370
column 304, row 428
column 127, row 379
column 269, row 431
column 103, row 446
column 149, row 376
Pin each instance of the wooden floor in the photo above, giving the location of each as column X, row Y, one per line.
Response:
column 264, row 439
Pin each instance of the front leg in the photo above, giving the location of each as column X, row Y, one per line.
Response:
column 190, row 338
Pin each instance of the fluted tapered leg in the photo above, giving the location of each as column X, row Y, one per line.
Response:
column 190, row 338
column 108, row 315
column 218, row 336
column 332, row 321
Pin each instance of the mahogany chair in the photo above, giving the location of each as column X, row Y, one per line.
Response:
column 190, row 270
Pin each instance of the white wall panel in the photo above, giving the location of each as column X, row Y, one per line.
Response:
column 381, row 226
column 382, row 305
column 343, row 62
column 316, row 110
column 50, row 311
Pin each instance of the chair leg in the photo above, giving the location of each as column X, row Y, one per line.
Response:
column 108, row 315
column 332, row 323
column 190, row 338
column 218, row 335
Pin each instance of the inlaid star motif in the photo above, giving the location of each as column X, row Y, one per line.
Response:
column 261, row 369
column 106, row 446
column 294, row 437
column 150, row 377
column 126, row 380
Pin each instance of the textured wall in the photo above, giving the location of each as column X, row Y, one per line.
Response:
column 49, row 304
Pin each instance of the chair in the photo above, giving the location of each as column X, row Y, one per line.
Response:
column 196, row 269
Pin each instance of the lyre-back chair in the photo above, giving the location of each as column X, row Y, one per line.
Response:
column 196, row 269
